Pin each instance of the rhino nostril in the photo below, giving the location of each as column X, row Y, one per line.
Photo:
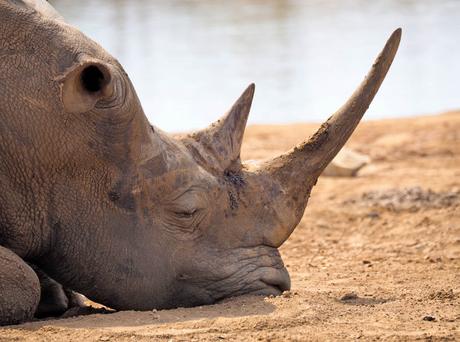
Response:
column 182, row 276
column 114, row 196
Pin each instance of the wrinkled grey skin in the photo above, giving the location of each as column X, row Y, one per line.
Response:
column 122, row 212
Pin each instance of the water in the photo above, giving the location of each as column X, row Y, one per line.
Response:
column 190, row 59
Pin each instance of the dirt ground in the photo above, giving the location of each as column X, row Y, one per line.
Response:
column 375, row 257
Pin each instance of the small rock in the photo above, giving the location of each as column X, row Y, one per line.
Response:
column 443, row 295
column 346, row 163
column 373, row 215
column 432, row 259
column 286, row 294
column 366, row 262
column 429, row 318
column 349, row 296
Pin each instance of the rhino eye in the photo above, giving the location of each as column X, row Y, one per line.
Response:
column 185, row 214
column 186, row 210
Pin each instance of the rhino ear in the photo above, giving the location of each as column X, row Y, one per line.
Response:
column 84, row 85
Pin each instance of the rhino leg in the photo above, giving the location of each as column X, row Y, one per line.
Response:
column 55, row 300
column 58, row 301
column 19, row 289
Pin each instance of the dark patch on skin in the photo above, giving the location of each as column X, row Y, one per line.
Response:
column 114, row 196
column 122, row 199
column 155, row 166
column 236, row 182
column 233, row 200
column 127, row 202
column 183, row 276
column 235, row 178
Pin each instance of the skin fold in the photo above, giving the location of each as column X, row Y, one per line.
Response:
column 104, row 204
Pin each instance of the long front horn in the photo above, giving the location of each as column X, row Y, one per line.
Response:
column 297, row 170
column 223, row 138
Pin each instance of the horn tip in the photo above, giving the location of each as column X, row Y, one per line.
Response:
column 251, row 88
column 248, row 94
column 396, row 35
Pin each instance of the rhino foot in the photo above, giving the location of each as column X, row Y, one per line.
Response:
column 58, row 301
column 55, row 300
column 85, row 310
column 19, row 289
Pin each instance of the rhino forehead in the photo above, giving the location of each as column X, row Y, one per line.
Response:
column 36, row 36
column 41, row 6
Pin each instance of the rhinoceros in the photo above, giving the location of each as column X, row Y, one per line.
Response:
column 95, row 200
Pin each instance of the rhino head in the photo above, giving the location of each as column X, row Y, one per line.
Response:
column 123, row 212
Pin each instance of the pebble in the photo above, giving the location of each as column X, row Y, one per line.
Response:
column 286, row 294
column 349, row 296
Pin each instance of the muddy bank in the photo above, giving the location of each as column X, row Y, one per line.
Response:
column 374, row 256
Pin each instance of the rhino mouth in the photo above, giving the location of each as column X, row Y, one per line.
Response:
column 263, row 275
column 272, row 282
column 279, row 284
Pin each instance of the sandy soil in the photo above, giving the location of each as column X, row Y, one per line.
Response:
column 375, row 257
